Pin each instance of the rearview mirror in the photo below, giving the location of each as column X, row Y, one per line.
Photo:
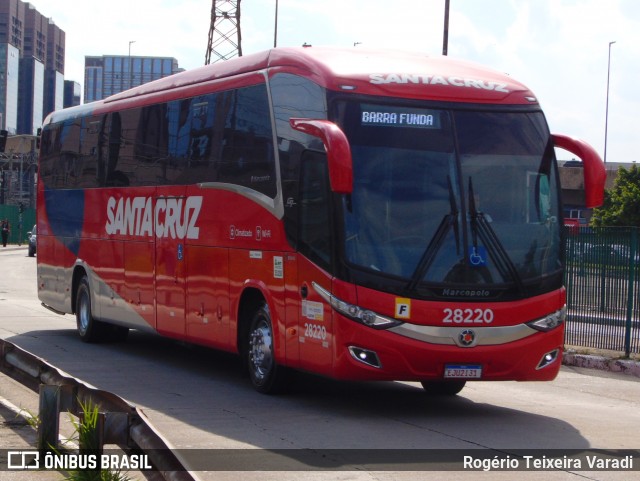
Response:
column 594, row 172
column 337, row 148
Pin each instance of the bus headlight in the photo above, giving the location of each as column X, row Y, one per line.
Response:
column 363, row 316
column 549, row 322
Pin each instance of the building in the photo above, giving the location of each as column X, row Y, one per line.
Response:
column 30, row 96
column 54, row 72
column 72, row 93
column 32, row 52
column 110, row 74
column 9, row 70
column 572, row 184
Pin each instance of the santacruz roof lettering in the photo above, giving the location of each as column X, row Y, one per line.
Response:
column 174, row 218
column 393, row 78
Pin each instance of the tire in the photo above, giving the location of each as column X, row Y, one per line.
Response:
column 266, row 375
column 88, row 328
column 443, row 388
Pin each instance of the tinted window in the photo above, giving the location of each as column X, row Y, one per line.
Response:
column 247, row 156
column 218, row 137
column 292, row 97
column 315, row 234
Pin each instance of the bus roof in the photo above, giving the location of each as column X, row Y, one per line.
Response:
column 358, row 70
column 378, row 72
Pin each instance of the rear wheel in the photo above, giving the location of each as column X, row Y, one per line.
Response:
column 89, row 329
column 443, row 388
column 266, row 375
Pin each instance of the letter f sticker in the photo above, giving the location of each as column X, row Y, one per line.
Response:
column 403, row 308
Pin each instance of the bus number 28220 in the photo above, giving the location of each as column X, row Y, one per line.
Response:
column 467, row 316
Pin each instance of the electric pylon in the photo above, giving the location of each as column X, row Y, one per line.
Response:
column 224, row 33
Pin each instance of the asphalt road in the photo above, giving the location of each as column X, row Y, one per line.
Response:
column 198, row 399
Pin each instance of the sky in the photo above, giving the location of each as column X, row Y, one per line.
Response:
column 560, row 49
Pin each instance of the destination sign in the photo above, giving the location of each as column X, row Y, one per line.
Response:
column 384, row 116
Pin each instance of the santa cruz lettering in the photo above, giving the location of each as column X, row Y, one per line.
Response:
column 393, row 78
column 174, row 218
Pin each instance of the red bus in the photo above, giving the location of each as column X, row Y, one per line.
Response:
column 362, row 215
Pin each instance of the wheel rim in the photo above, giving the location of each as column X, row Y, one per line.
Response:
column 261, row 351
column 84, row 312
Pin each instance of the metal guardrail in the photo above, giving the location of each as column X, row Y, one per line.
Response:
column 123, row 424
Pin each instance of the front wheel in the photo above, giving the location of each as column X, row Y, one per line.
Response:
column 443, row 388
column 266, row 375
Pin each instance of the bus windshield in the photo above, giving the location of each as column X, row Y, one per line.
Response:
column 451, row 198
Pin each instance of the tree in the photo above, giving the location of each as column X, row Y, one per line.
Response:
column 621, row 205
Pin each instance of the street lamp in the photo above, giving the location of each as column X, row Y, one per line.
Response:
column 275, row 30
column 606, row 113
column 445, row 36
column 130, row 69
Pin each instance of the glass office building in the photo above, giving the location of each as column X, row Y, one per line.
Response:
column 31, row 96
column 72, row 93
column 32, row 50
column 9, row 70
column 109, row 74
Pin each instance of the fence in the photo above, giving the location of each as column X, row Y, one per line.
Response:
column 602, row 279
column 20, row 222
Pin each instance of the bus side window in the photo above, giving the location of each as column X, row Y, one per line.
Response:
column 150, row 152
column 314, row 212
column 89, row 145
column 294, row 96
column 247, row 151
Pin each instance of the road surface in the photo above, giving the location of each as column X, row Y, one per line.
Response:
column 198, row 398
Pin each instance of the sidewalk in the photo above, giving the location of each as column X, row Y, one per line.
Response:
column 15, row 247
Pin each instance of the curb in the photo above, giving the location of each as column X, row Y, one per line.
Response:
column 590, row 361
column 14, row 247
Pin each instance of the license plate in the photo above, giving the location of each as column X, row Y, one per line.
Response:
column 462, row 371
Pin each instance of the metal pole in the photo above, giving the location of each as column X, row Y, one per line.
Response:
column 130, row 67
column 445, row 39
column 606, row 114
column 631, row 282
column 275, row 30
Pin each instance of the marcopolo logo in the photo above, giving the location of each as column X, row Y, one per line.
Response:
column 171, row 217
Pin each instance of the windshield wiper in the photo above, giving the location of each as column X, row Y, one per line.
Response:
column 448, row 222
column 480, row 227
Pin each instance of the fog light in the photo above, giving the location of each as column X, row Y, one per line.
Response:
column 370, row 358
column 548, row 358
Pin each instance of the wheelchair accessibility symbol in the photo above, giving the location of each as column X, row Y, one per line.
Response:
column 477, row 256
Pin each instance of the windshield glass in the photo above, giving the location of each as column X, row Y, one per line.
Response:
column 451, row 198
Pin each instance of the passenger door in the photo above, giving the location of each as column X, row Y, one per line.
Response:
column 170, row 261
column 315, row 240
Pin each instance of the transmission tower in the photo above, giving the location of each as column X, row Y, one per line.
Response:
column 224, row 33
